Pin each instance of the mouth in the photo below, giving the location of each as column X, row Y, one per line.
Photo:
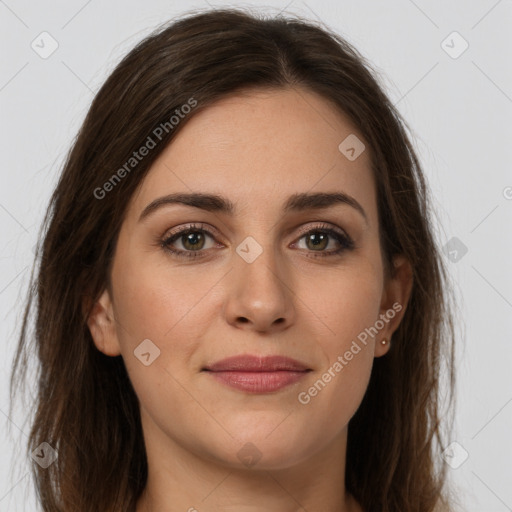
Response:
column 256, row 374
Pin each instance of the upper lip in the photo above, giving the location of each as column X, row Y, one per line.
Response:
column 250, row 363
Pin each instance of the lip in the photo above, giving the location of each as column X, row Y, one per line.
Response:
column 250, row 363
column 257, row 374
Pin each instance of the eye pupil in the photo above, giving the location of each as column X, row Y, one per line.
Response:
column 313, row 238
column 193, row 239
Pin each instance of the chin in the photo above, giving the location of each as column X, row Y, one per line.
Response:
column 262, row 452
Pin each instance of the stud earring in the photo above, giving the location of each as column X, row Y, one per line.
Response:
column 384, row 342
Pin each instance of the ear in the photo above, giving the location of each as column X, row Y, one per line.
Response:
column 102, row 326
column 395, row 297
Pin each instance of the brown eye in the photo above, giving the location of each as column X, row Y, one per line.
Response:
column 192, row 240
column 319, row 239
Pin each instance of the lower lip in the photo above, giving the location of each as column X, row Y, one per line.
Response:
column 258, row 382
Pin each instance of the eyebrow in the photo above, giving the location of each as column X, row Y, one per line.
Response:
column 217, row 203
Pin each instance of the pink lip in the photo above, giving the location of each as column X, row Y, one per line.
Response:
column 258, row 374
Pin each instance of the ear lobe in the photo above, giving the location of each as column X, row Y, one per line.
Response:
column 101, row 323
column 395, row 297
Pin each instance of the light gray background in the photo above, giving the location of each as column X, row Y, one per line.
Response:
column 460, row 111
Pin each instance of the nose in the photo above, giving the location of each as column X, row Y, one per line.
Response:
column 259, row 296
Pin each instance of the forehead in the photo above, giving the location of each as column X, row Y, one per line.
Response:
column 259, row 147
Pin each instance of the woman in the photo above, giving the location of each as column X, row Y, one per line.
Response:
column 240, row 302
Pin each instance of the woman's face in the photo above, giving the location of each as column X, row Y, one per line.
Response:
column 266, row 278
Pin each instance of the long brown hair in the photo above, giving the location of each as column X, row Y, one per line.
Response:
column 86, row 408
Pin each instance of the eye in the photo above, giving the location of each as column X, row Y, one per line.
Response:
column 192, row 239
column 318, row 239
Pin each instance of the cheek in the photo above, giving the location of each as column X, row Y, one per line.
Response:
column 161, row 317
column 345, row 302
column 152, row 301
column 336, row 394
column 347, row 311
column 164, row 321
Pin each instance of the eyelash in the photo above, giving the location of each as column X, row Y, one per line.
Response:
column 344, row 240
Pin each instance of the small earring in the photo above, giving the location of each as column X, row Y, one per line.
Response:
column 384, row 342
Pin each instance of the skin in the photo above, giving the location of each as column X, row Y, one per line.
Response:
column 256, row 149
